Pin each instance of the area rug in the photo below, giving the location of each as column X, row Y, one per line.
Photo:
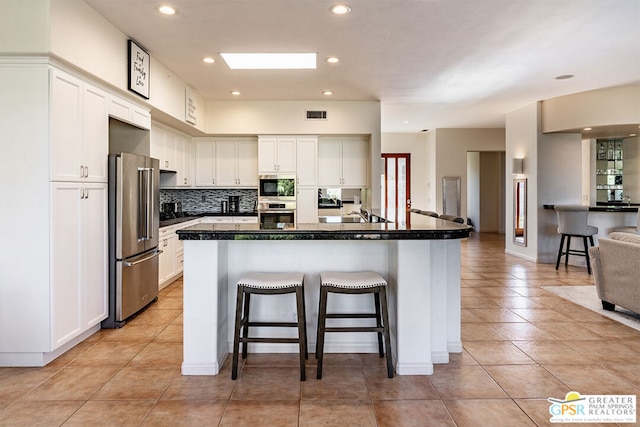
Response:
column 587, row 297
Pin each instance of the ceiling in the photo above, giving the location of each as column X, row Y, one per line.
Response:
column 431, row 63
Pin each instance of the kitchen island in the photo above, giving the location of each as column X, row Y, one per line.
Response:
column 420, row 260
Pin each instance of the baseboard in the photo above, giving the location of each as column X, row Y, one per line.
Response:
column 200, row 368
column 414, row 368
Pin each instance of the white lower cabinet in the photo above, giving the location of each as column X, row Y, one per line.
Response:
column 307, row 205
column 79, row 270
column 171, row 258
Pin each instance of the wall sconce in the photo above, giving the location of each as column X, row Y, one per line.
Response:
column 518, row 166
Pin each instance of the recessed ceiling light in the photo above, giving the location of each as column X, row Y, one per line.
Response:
column 405, row 122
column 340, row 9
column 208, row 60
column 270, row 61
column 235, row 92
column 586, row 129
column 327, row 92
column 332, row 60
column 167, row 10
column 565, row 77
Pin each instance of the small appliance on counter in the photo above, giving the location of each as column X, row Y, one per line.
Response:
column 234, row 204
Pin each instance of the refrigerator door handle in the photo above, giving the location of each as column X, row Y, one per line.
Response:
column 150, row 203
column 142, row 217
column 140, row 261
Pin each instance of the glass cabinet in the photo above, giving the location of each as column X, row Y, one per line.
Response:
column 609, row 182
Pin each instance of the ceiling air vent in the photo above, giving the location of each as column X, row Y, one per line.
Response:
column 316, row 115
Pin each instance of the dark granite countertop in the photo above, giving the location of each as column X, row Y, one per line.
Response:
column 607, row 208
column 188, row 216
column 424, row 228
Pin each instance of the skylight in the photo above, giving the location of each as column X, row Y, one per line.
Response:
column 270, row 61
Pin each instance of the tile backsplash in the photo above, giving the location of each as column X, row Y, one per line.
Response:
column 201, row 201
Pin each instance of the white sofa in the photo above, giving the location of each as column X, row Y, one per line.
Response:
column 616, row 266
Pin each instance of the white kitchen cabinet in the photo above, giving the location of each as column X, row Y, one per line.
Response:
column 183, row 161
column 79, row 270
column 128, row 112
column 79, row 130
column 167, row 267
column 276, row 155
column 245, row 219
column 343, row 163
column 163, row 148
column 236, row 164
column 307, row 161
column 226, row 163
column 307, row 205
column 205, row 163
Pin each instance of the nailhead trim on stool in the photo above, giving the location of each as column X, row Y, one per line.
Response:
column 268, row 284
column 365, row 282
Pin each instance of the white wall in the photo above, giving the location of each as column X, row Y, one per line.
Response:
column 24, row 27
column 414, row 144
column 430, row 171
column 473, row 189
column 522, row 142
column 619, row 105
column 83, row 38
column 452, row 146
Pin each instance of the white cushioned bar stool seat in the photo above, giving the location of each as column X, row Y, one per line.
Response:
column 364, row 282
column 268, row 284
column 572, row 222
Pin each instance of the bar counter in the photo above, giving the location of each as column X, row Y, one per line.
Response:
column 421, row 263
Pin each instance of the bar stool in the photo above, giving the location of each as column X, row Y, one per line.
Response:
column 572, row 222
column 269, row 284
column 366, row 282
column 430, row 213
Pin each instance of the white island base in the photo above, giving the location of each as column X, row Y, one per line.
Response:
column 424, row 297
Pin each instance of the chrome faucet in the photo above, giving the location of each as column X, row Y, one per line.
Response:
column 364, row 218
column 628, row 200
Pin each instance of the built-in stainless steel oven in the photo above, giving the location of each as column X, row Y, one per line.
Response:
column 274, row 212
column 280, row 187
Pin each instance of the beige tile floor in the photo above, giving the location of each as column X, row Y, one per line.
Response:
column 522, row 344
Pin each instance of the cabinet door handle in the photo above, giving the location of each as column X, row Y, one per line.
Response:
column 82, row 193
column 81, row 171
column 86, row 171
column 86, row 191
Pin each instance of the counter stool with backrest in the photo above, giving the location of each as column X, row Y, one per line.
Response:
column 268, row 284
column 572, row 222
column 366, row 282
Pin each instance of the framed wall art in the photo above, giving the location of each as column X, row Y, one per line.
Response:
column 139, row 70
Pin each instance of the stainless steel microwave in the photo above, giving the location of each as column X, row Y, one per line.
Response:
column 281, row 187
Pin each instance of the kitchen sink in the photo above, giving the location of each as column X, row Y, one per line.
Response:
column 339, row 219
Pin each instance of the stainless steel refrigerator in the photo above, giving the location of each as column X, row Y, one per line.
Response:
column 133, row 235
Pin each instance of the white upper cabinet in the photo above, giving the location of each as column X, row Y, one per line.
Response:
column 173, row 150
column 276, row 155
column 183, row 161
column 343, row 162
column 226, row 163
column 247, row 166
column 205, row 162
column 129, row 113
column 79, row 130
column 307, row 161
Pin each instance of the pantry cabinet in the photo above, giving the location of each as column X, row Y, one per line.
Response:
column 78, row 258
column 342, row 162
